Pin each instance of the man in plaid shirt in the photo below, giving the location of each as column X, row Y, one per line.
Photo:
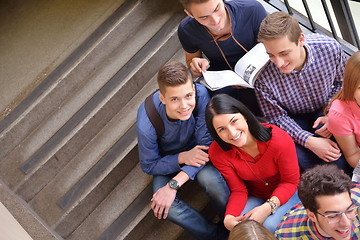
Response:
column 329, row 208
column 295, row 86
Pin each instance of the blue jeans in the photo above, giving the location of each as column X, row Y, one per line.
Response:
column 308, row 159
column 180, row 213
column 273, row 220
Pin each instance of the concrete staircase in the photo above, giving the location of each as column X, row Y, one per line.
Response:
column 68, row 152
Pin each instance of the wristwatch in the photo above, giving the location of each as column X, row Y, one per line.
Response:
column 174, row 184
column 273, row 205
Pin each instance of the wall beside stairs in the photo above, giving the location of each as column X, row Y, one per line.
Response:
column 68, row 155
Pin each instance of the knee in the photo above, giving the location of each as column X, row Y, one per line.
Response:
column 176, row 211
column 209, row 175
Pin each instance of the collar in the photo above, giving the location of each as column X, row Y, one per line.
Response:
column 314, row 232
column 309, row 59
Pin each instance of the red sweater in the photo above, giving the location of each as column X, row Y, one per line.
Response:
column 276, row 165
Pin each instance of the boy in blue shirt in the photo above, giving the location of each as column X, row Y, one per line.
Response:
column 222, row 31
column 179, row 154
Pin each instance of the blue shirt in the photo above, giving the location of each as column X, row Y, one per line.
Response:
column 310, row 89
column 161, row 157
column 245, row 15
column 296, row 224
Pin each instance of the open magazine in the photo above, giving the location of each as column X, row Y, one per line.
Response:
column 246, row 70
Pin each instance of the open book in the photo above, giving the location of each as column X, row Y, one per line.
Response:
column 246, row 70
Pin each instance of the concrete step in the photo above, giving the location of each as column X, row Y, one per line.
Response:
column 29, row 114
column 129, row 216
column 42, row 145
column 28, row 219
column 72, row 156
column 151, row 228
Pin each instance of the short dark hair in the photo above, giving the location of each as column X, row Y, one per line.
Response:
column 322, row 180
column 186, row 3
column 225, row 104
column 277, row 25
column 173, row 74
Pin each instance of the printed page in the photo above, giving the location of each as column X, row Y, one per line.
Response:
column 219, row 79
column 251, row 63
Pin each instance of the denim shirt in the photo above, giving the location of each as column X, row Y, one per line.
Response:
column 160, row 156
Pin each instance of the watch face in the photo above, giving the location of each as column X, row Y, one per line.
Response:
column 174, row 184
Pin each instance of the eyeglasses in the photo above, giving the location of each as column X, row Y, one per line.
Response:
column 336, row 217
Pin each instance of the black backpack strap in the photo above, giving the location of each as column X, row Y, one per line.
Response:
column 154, row 116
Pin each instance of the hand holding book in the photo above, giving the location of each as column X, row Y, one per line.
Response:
column 246, row 70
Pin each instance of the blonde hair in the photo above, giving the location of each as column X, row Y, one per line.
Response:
column 351, row 80
column 250, row 230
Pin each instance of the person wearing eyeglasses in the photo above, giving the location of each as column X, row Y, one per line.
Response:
column 329, row 207
column 216, row 34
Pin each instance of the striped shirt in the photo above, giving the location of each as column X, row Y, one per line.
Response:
column 297, row 225
column 305, row 91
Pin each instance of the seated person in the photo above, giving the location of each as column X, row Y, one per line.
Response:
column 303, row 74
column 223, row 31
column 344, row 113
column 250, row 230
column 258, row 162
column 180, row 153
column 329, row 208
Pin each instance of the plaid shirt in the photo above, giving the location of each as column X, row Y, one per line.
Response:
column 297, row 225
column 304, row 91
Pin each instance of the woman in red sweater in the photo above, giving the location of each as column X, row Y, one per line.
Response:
column 257, row 160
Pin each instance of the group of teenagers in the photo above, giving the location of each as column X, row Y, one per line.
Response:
column 275, row 160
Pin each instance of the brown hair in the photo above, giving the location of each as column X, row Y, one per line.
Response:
column 322, row 180
column 250, row 230
column 351, row 80
column 277, row 25
column 173, row 74
column 186, row 3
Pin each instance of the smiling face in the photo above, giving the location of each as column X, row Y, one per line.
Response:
column 233, row 129
column 329, row 205
column 179, row 101
column 211, row 14
column 287, row 55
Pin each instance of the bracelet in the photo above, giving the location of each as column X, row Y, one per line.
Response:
column 273, row 205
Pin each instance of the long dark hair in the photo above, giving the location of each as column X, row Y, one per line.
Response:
column 224, row 104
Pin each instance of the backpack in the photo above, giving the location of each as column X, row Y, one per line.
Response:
column 154, row 116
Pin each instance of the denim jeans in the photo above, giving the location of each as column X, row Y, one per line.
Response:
column 180, row 213
column 308, row 159
column 273, row 220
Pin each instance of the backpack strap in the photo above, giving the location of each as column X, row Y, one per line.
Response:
column 154, row 116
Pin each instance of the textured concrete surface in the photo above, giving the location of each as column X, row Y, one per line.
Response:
column 37, row 35
column 26, row 218
column 10, row 228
